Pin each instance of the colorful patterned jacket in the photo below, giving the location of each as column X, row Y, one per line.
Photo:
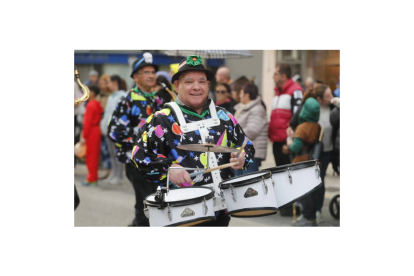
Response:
column 156, row 148
column 129, row 116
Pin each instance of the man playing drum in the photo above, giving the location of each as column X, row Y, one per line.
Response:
column 192, row 119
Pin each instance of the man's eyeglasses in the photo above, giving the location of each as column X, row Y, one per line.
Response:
column 221, row 91
column 146, row 73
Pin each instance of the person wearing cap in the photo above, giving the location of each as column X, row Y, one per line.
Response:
column 93, row 78
column 129, row 116
column 178, row 124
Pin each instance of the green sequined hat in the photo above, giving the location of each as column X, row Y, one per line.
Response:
column 192, row 63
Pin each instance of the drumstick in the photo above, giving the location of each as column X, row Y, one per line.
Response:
column 213, row 169
column 242, row 147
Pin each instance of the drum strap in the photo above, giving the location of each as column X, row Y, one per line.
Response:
column 203, row 127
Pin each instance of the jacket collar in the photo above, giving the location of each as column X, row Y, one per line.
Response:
column 288, row 84
column 249, row 105
column 205, row 107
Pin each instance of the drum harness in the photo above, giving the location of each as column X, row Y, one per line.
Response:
column 203, row 127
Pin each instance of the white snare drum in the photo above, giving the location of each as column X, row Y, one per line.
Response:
column 293, row 181
column 250, row 195
column 182, row 207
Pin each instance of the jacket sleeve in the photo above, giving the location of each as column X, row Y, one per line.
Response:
column 296, row 145
column 334, row 117
column 296, row 100
column 119, row 128
column 238, row 138
column 294, row 121
column 151, row 152
column 256, row 122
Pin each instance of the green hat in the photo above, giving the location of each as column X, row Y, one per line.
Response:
column 192, row 63
column 310, row 111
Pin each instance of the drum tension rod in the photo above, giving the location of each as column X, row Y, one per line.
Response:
column 160, row 197
column 290, row 177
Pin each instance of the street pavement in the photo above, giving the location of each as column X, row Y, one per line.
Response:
column 113, row 205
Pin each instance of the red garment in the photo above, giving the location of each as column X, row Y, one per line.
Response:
column 92, row 135
column 282, row 111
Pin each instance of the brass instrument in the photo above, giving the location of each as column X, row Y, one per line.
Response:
column 84, row 88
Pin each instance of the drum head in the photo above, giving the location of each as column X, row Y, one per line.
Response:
column 293, row 166
column 183, row 196
column 245, row 179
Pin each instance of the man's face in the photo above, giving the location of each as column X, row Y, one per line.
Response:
column 145, row 78
column 327, row 96
column 93, row 78
column 278, row 78
column 193, row 88
column 221, row 77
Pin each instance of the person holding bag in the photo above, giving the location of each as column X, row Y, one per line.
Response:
column 306, row 135
column 307, row 132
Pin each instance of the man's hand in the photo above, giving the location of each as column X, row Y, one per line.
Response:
column 285, row 149
column 178, row 177
column 241, row 160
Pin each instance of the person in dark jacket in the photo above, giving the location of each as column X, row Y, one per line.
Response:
column 334, row 118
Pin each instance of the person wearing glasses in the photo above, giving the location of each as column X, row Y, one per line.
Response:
column 223, row 97
column 129, row 116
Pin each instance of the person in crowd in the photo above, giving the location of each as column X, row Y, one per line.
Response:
column 294, row 120
column 337, row 90
column 79, row 111
column 166, row 75
column 162, row 92
column 103, row 86
column 334, row 119
column 93, row 78
column 223, row 97
column 306, row 134
column 128, row 118
column 317, row 83
column 309, row 83
column 157, row 146
column 251, row 115
column 324, row 96
column 117, row 91
column 91, row 136
column 297, row 78
column 286, row 102
column 104, row 91
column 223, row 76
column 237, row 86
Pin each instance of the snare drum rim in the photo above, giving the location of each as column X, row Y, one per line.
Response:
column 209, row 218
column 183, row 202
column 293, row 166
column 232, row 213
column 224, row 185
